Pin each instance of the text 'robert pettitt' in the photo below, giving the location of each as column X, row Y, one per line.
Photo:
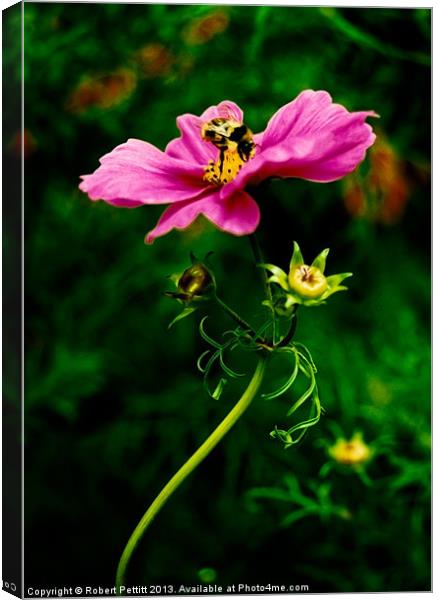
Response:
column 79, row 591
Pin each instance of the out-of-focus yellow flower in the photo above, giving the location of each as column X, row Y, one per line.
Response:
column 203, row 29
column 102, row 91
column 354, row 452
column 154, row 60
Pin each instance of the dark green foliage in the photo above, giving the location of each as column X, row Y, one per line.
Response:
column 114, row 401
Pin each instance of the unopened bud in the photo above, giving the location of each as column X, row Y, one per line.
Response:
column 307, row 282
column 196, row 281
column 195, row 284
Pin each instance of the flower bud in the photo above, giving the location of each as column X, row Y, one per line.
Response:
column 195, row 285
column 307, row 282
column 196, row 281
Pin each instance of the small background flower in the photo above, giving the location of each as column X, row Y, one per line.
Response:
column 102, row 91
column 154, row 60
column 353, row 452
column 382, row 193
column 203, row 29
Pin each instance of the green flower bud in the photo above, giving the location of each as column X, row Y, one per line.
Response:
column 305, row 284
column 194, row 285
column 196, row 281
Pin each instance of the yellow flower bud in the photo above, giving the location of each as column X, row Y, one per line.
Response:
column 308, row 282
column 305, row 284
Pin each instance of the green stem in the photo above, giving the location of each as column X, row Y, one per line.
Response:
column 258, row 257
column 292, row 328
column 230, row 312
column 201, row 453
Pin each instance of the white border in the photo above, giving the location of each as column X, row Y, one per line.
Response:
column 339, row 3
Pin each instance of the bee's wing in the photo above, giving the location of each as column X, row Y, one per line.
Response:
column 229, row 112
column 223, row 129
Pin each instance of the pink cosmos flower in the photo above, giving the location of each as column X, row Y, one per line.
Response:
column 203, row 173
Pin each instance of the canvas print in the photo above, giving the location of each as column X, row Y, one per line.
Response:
column 217, row 299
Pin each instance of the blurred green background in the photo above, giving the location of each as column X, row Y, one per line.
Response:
column 114, row 402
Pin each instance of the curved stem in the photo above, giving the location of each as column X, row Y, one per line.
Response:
column 258, row 257
column 292, row 328
column 201, row 453
column 251, row 334
column 230, row 312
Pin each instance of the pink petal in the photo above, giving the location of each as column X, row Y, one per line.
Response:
column 225, row 110
column 309, row 138
column 313, row 138
column 190, row 146
column 308, row 113
column 137, row 173
column 239, row 215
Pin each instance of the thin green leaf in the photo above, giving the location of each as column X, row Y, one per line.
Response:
column 296, row 495
column 297, row 440
column 227, row 369
column 284, row 388
column 182, row 315
column 282, row 435
column 199, row 361
column 210, row 362
column 365, row 39
column 308, row 356
column 219, row 389
column 296, row 516
column 305, row 424
column 205, row 336
column 303, row 397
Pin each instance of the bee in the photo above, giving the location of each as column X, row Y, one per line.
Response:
column 236, row 147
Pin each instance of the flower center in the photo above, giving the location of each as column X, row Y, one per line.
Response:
column 351, row 453
column 307, row 281
column 236, row 147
